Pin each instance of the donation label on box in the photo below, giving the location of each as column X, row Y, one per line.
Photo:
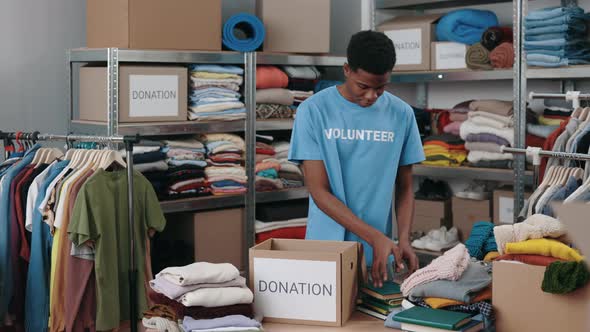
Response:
column 408, row 45
column 296, row 289
column 153, row 95
column 506, row 210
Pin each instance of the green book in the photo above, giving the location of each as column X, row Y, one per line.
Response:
column 442, row 319
column 379, row 304
column 389, row 291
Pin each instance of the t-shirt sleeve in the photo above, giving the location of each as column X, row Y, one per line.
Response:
column 154, row 216
column 304, row 139
column 82, row 226
column 412, row 151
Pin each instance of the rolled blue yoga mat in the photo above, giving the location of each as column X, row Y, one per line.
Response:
column 243, row 33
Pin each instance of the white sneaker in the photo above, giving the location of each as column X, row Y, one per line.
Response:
column 432, row 235
column 475, row 191
column 448, row 240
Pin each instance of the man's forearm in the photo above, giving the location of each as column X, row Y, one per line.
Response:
column 405, row 212
column 338, row 211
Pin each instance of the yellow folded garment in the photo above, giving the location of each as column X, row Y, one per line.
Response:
column 437, row 302
column 490, row 256
column 216, row 76
column 549, row 122
column 544, row 247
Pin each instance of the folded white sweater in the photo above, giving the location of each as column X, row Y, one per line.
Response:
column 468, row 127
column 200, row 273
column 269, row 226
column 504, row 121
column 536, row 226
column 217, row 297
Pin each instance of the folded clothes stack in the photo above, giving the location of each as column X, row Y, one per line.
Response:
column 302, row 80
column 556, row 37
column 457, row 115
column 214, row 93
column 285, row 229
column 149, row 156
column 444, row 150
column 439, row 119
column 273, row 99
column 225, row 156
column 267, row 168
column 489, row 126
column 290, row 173
column 200, row 296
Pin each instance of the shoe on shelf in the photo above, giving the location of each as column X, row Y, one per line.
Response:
column 426, row 187
column 447, row 240
column 475, row 190
column 442, row 191
column 432, row 235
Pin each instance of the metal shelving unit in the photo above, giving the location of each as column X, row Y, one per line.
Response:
column 431, row 4
column 450, row 76
column 162, row 128
column 487, row 174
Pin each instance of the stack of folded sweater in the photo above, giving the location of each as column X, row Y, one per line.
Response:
column 285, row 229
column 201, row 296
column 214, row 93
column 302, row 80
column 267, row 168
column 290, row 174
column 556, row 37
column 489, row 126
column 457, row 115
column 185, row 176
column 225, row 156
column 149, row 156
column 273, row 100
column 439, row 120
column 538, row 241
column 452, row 282
column 444, row 150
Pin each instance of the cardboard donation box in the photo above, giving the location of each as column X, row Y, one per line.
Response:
column 431, row 214
column 305, row 282
column 467, row 212
column 448, row 55
column 295, row 26
column 154, row 24
column 146, row 94
column 412, row 37
column 504, row 206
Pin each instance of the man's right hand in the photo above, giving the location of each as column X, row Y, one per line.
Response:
column 382, row 248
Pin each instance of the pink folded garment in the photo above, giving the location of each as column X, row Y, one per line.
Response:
column 453, row 128
column 456, row 116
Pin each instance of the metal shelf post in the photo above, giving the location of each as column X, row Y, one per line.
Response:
column 250, row 101
column 520, row 92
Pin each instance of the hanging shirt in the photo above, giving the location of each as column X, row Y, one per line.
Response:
column 6, row 282
column 100, row 212
column 32, row 196
column 362, row 149
column 37, row 293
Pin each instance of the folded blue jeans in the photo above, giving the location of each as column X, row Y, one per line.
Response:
column 552, row 12
column 565, row 18
column 576, row 26
column 567, row 36
column 561, row 63
column 556, row 44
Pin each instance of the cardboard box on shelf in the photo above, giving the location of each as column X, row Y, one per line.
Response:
column 146, row 93
column 412, row 37
column 154, row 24
column 305, row 282
column 467, row 212
column 521, row 305
column 448, row 55
column 217, row 236
column 431, row 214
column 504, row 206
column 295, row 26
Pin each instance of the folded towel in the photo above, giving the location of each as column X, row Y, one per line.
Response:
column 469, row 127
column 274, row 96
column 215, row 76
column 302, row 72
column 465, row 25
column 235, row 139
column 495, row 36
column 499, row 107
column 223, row 106
column 270, row 77
column 503, row 56
column 199, row 273
column 223, row 84
column 478, row 57
column 233, row 321
column 216, row 297
column 493, row 120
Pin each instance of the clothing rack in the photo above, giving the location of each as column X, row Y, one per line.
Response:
column 537, row 153
column 573, row 96
column 128, row 141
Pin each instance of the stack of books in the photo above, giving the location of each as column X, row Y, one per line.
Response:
column 379, row 302
column 419, row 319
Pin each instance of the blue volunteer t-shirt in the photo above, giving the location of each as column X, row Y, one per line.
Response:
column 362, row 149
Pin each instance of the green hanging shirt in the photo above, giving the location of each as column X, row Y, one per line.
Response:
column 100, row 215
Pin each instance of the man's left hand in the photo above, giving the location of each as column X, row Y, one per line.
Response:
column 409, row 256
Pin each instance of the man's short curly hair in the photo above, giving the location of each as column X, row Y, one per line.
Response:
column 371, row 51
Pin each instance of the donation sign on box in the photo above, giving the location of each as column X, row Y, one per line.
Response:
column 153, row 95
column 296, row 289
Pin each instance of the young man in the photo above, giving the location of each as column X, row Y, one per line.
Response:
column 354, row 141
